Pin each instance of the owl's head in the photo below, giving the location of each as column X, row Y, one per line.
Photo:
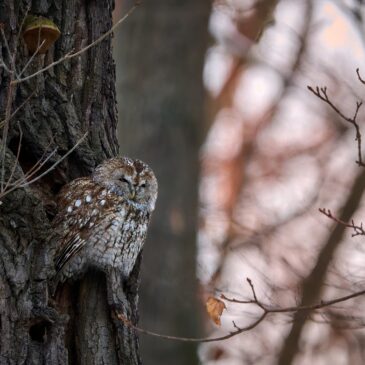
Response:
column 132, row 179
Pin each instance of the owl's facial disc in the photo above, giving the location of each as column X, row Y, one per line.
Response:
column 131, row 179
column 116, row 177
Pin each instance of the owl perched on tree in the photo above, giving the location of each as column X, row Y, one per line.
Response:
column 102, row 220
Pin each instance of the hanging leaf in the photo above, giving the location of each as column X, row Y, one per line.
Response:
column 215, row 308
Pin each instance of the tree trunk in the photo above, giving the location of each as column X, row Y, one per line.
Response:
column 74, row 97
column 160, row 55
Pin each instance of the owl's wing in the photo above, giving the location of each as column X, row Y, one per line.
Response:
column 77, row 238
column 68, row 249
column 79, row 218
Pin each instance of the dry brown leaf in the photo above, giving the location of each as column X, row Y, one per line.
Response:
column 215, row 308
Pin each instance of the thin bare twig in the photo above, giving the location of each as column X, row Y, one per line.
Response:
column 239, row 330
column 359, row 76
column 266, row 310
column 56, row 163
column 5, row 123
column 38, row 165
column 9, row 99
column 20, row 32
column 320, row 305
column 321, row 93
column 34, row 169
column 358, row 229
column 10, row 54
column 4, row 66
column 32, row 56
column 18, row 108
column 16, row 159
column 24, row 181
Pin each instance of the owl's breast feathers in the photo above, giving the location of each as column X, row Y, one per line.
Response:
column 104, row 224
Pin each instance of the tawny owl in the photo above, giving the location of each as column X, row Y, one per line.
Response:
column 102, row 220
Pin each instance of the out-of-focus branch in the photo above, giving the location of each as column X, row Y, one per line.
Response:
column 247, row 149
column 321, row 93
column 312, row 285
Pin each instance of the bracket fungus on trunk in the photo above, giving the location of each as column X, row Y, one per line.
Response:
column 39, row 33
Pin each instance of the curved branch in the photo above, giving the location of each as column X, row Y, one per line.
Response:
column 266, row 310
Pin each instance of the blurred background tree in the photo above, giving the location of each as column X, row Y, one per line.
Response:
column 159, row 55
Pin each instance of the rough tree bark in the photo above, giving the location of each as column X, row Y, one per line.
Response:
column 76, row 96
column 160, row 55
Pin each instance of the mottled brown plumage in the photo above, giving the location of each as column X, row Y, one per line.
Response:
column 102, row 219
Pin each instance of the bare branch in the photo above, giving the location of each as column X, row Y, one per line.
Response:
column 266, row 310
column 358, row 229
column 23, row 182
column 9, row 99
column 10, row 55
column 33, row 55
column 4, row 66
column 321, row 93
column 16, row 159
column 20, row 32
column 17, row 109
column 56, row 163
column 320, row 305
column 239, row 330
column 37, row 166
column 34, row 169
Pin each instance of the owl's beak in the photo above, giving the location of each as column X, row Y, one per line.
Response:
column 133, row 193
